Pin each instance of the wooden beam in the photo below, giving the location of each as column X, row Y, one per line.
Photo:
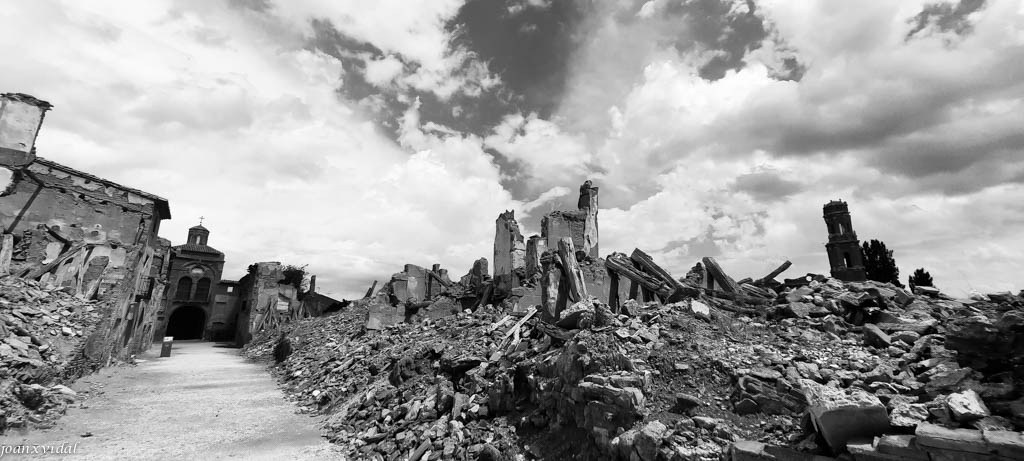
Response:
column 370, row 291
column 775, row 273
column 613, row 291
column 622, row 265
column 56, row 262
column 721, row 278
column 549, row 280
column 647, row 263
column 577, row 289
column 6, row 251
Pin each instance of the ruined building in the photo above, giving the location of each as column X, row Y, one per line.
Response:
column 509, row 253
column 579, row 225
column 90, row 236
column 194, row 275
column 843, row 247
column 264, row 300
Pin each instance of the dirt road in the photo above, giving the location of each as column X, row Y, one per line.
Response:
column 203, row 403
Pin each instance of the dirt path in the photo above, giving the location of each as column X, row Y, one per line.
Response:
column 204, row 403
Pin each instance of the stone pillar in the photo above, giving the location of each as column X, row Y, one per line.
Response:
column 534, row 248
column 588, row 205
column 509, row 253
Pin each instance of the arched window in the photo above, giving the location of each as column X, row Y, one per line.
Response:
column 203, row 289
column 184, row 288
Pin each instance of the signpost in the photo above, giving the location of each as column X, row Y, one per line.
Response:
column 165, row 348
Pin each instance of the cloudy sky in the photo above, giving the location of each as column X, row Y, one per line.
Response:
column 356, row 136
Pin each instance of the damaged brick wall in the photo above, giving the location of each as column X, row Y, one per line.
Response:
column 94, row 238
column 263, row 298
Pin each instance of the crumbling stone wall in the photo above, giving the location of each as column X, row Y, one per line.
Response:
column 262, row 296
column 509, row 253
column 579, row 225
column 95, row 239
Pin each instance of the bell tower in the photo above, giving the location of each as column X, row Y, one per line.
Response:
column 198, row 235
column 843, row 247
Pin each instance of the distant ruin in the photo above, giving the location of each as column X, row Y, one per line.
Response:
column 843, row 247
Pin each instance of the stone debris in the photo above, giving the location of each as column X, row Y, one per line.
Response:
column 566, row 355
column 713, row 374
column 42, row 329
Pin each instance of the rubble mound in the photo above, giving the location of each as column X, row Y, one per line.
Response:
column 42, row 331
column 816, row 370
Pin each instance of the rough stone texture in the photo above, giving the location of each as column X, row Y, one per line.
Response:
column 967, row 406
column 649, row 440
column 579, row 225
column 874, row 336
column 68, row 222
column 535, row 247
column 588, row 205
column 986, row 345
column 509, row 252
column 843, row 247
column 933, row 437
column 901, row 445
column 1008, row 444
column 840, row 416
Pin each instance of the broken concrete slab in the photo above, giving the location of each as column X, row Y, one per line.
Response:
column 842, row 416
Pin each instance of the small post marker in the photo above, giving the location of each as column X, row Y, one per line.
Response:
column 165, row 348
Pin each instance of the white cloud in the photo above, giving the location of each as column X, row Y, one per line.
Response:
column 230, row 115
column 381, row 72
column 251, row 135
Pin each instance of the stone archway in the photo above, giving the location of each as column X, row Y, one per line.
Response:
column 187, row 322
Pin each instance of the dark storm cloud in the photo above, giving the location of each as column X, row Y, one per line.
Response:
column 766, row 186
column 473, row 112
column 945, row 17
column 712, row 25
column 383, row 107
column 529, row 47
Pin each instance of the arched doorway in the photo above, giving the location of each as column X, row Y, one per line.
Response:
column 187, row 322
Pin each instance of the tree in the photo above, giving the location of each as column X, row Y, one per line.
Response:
column 879, row 264
column 921, row 278
column 296, row 277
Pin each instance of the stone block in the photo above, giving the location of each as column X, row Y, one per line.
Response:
column 874, row 336
column 1008, row 444
column 864, row 450
column 967, row 406
column 903, row 445
column 840, row 416
column 935, row 438
column 649, row 439
column 749, row 450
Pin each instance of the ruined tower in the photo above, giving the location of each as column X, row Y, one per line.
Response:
column 580, row 224
column 843, row 247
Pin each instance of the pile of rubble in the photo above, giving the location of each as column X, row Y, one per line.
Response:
column 42, row 329
column 692, row 370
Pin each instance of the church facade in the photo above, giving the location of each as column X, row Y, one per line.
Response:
column 192, row 310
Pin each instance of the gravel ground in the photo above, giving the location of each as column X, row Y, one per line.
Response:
column 205, row 402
